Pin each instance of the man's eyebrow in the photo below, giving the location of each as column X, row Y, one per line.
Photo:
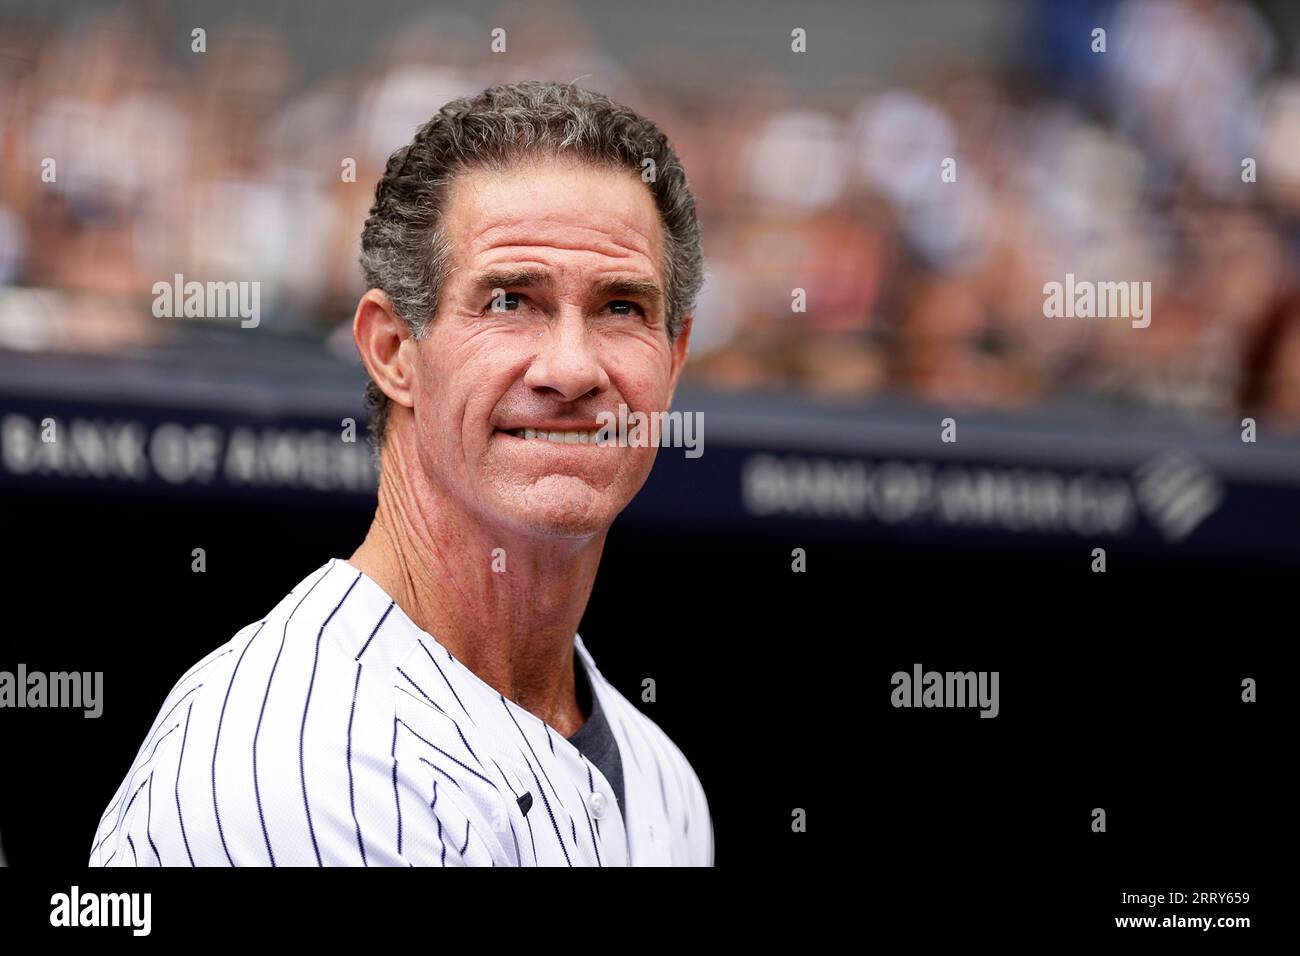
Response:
column 532, row 278
column 511, row 278
column 630, row 288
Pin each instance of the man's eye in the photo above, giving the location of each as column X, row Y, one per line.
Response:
column 624, row 307
column 504, row 302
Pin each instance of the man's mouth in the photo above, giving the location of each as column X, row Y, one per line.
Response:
column 566, row 437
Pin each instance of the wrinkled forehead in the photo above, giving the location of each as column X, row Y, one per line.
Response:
column 556, row 205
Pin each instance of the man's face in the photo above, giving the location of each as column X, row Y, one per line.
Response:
column 575, row 326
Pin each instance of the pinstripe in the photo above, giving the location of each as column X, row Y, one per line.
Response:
column 161, row 719
column 148, row 821
column 376, row 630
column 397, row 797
column 302, row 732
column 531, row 836
column 547, row 777
column 131, row 777
column 216, row 743
column 448, row 682
column 257, row 788
column 180, row 815
column 434, row 806
column 458, row 763
column 170, row 712
column 515, row 837
column 210, row 659
column 129, row 804
column 129, row 780
column 463, row 740
column 425, row 760
column 540, row 788
column 529, row 744
column 549, row 812
column 352, row 786
column 430, row 700
column 461, row 733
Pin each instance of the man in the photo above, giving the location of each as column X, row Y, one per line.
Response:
column 428, row 701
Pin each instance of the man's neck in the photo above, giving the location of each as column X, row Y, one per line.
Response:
column 514, row 627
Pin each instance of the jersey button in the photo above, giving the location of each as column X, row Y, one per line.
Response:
column 598, row 805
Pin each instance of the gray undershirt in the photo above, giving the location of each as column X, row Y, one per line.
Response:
column 594, row 739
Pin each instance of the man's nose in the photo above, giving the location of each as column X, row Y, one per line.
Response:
column 566, row 362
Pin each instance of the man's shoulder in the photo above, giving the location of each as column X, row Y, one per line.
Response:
column 304, row 650
column 221, row 662
column 277, row 715
column 332, row 609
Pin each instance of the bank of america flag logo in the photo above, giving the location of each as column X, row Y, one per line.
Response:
column 1176, row 493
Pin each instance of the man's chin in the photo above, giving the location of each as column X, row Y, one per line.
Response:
column 559, row 524
column 562, row 507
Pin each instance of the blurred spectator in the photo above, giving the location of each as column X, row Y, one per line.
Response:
column 888, row 236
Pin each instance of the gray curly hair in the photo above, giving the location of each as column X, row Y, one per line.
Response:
column 404, row 248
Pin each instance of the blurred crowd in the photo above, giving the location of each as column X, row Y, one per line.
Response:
column 1130, row 164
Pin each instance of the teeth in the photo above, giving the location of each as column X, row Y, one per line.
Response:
column 559, row 437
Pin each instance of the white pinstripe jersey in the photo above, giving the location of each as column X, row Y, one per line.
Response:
column 336, row 732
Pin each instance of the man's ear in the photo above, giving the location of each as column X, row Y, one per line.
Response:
column 681, row 346
column 379, row 333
